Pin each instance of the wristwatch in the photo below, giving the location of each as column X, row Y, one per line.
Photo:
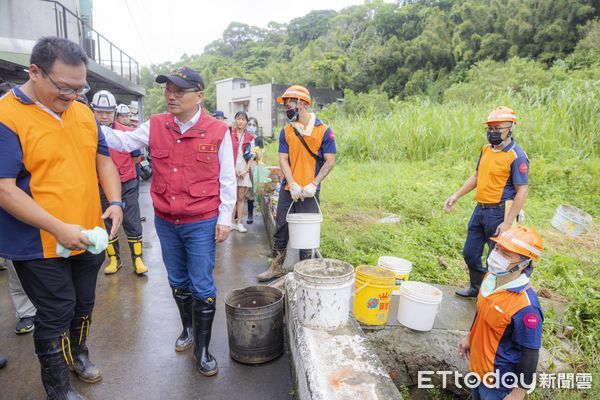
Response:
column 118, row 203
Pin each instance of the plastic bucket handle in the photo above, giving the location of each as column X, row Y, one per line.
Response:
column 361, row 288
column 290, row 208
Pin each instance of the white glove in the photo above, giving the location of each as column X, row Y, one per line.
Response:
column 296, row 192
column 309, row 190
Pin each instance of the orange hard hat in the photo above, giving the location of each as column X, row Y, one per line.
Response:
column 501, row 114
column 295, row 92
column 521, row 240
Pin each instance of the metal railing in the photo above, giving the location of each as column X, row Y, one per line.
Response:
column 97, row 47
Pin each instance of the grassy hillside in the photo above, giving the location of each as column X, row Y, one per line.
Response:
column 406, row 157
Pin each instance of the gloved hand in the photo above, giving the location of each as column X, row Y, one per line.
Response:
column 296, row 192
column 309, row 190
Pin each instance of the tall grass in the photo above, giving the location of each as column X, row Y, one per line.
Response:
column 407, row 159
column 561, row 121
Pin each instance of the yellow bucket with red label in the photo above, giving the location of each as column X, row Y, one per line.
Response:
column 373, row 287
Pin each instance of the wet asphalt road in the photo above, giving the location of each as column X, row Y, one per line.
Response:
column 135, row 327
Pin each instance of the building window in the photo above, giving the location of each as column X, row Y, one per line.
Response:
column 242, row 85
column 259, row 104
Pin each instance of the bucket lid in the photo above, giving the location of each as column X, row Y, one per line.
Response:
column 421, row 291
column 376, row 275
column 394, row 263
column 304, row 218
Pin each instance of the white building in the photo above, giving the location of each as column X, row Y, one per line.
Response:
column 260, row 101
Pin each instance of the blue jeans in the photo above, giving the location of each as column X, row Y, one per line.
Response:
column 482, row 392
column 188, row 252
column 482, row 226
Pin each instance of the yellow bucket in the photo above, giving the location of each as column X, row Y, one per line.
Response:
column 373, row 289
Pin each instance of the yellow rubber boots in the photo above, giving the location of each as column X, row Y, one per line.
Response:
column 112, row 252
column 135, row 244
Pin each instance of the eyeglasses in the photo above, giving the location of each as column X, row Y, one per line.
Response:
column 496, row 129
column 179, row 93
column 66, row 91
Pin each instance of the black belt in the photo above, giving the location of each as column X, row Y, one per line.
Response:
column 492, row 205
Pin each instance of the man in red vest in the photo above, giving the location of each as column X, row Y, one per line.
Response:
column 193, row 191
column 104, row 106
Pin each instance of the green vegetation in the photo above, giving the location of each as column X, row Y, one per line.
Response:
column 412, row 47
column 408, row 161
column 405, row 157
column 419, row 77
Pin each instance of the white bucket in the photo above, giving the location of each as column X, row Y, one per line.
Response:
column 399, row 266
column 304, row 229
column 418, row 305
column 571, row 220
column 323, row 293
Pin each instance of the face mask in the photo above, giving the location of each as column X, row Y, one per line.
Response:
column 292, row 114
column 498, row 264
column 252, row 129
column 494, row 138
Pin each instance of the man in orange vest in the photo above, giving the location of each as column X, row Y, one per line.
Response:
column 104, row 106
column 501, row 181
column 53, row 156
column 306, row 155
column 506, row 336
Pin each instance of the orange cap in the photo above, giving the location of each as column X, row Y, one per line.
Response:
column 501, row 114
column 521, row 240
column 295, row 92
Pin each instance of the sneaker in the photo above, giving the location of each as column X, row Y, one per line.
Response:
column 25, row 325
column 234, row 227
column 241, row 228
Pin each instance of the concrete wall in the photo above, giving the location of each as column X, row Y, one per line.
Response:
column 334, row 365
column 224, row 90
column 258, row 94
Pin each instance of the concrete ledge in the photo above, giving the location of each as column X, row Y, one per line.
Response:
column 334, row 365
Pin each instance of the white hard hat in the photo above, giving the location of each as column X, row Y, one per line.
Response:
column 104, row 100
column 123, row 109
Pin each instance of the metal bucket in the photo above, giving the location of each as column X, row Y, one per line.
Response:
column 255, row 324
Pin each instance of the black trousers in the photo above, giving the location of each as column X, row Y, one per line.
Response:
column 282, row 235
column 60, row 289
column 130, row 193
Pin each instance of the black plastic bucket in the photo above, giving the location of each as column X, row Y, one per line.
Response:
column 255, row 324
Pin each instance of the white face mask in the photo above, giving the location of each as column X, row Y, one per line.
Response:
column 498, row 264
column 251, row 128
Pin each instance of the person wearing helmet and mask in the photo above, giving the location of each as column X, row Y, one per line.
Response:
column 506, row 335
column 307, row 154
column 123, row 115
column 501, row 181
column 193, row 192
column 104, row 106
